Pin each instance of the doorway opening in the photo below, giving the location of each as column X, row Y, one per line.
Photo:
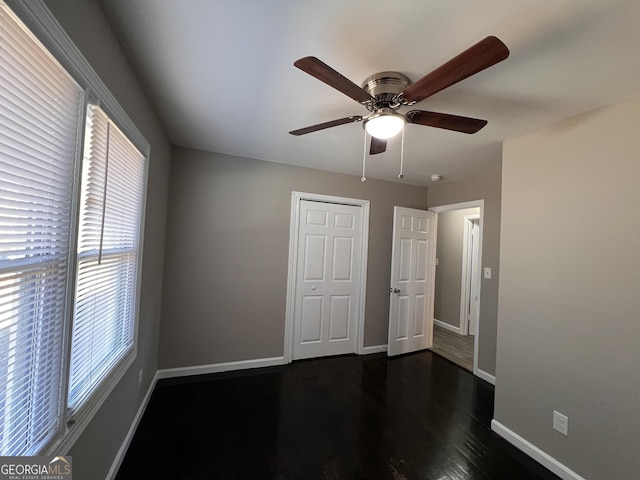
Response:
column 456, row 316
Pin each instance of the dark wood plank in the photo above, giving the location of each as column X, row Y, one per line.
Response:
column 353, row 417
column 482, row 55
column 323, row 72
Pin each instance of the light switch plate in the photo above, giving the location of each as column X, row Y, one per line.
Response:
column 487, row 272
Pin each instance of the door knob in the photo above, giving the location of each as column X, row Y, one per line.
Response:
column 394, row 290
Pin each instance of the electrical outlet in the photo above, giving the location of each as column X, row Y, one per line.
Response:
column 140, row 373
column 561, row 423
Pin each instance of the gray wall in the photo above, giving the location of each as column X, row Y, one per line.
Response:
column 485, row 186
column 227, row 252
column 86, row 24
column 449, row 269
column 569, row 322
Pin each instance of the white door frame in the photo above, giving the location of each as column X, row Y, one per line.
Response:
column 461, row 206
column 467, row 258
column 296, row 198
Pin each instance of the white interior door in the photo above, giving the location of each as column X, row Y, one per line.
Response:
column 411, row 280
column 327, row 279
column 475, row 276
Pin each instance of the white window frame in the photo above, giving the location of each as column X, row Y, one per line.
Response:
column 41, row 22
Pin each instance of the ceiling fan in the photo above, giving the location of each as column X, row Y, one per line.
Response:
column 384, row 93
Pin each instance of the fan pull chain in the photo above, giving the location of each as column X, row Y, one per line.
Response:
column 364, row 158
column 401, row 176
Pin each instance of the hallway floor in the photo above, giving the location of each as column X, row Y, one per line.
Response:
column 455, row 348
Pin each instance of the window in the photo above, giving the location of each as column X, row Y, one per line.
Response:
column 110, row 208
column 70, row 217
column 39, row 138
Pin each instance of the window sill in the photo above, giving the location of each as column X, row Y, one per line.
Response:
column 82, row 418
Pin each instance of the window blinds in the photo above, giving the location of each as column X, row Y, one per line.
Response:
column 40, row 111
column 108, row 248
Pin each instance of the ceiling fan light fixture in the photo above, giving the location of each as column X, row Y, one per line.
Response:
column 384, row 125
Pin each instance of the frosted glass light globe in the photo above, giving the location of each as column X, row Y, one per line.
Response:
column 385, row 126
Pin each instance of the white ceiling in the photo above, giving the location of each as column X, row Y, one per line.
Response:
column 220, row 73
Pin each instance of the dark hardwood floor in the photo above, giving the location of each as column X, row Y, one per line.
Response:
column 352, row 417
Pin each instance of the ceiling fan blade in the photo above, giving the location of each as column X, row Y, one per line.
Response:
column 322, row 126
column 378, row 145
column 482, row 55
column 324, row 73
column 446, row 121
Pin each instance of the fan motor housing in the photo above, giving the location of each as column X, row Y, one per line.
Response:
column 385, row 88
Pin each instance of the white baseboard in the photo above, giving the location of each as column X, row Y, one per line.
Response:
column 446, row 326
column 487, row 377
column 220, row 367
column 115, row 466
column 374, row 349
column 534, row 452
